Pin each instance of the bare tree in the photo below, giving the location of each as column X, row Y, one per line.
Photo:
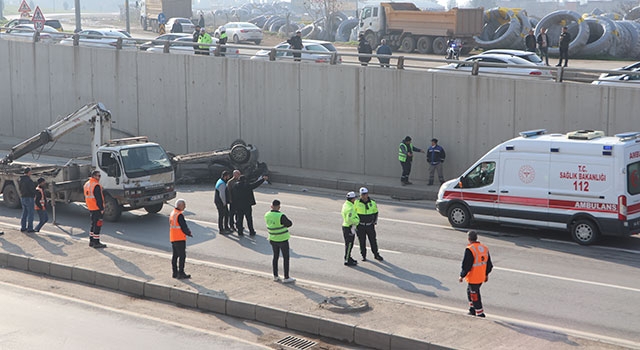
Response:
column 451, row 4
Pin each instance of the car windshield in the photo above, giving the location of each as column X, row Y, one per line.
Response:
column 144, row 160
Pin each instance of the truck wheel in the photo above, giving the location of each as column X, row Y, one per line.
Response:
column 239, row 154
column 112, row 210
column 459, row 216
column 152, row 209
column 439, row 46
column 408, row 44
column 238, row 142
column 585, row 232
column 424, row 45
column 11, row 197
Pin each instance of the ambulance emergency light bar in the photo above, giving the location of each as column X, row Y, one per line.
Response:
column 530, row 133
column 628, row 135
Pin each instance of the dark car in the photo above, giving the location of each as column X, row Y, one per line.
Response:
column 55, row 24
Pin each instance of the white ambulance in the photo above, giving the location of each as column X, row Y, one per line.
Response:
column 581, row 181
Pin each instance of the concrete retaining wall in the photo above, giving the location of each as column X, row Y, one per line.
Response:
column 334, row 118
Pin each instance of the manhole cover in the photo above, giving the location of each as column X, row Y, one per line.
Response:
column 342, row 304
column 296, row 343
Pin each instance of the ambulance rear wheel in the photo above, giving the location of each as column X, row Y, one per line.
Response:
column 459, row 216
column 585, row 232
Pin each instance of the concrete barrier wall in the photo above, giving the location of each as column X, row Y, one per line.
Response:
column 336, row 118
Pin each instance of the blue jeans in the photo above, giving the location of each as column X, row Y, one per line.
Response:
column 28, row 204
column 44, row 217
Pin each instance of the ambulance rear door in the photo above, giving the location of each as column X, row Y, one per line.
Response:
column 632, row 170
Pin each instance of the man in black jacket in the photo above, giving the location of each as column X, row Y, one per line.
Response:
column 530, row 41
column 364, row 47
column 296, row 44
column 565, row 39
column 27, row 199
column 243, row 199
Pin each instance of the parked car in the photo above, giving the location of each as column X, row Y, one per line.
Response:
column 467, row 65
column 627, row 80
column 185, row 46
column 527, row 55
column 187, row 25
column 161, row 39
column 24, row 32
column 54, row 23
column 622, row 70
column 241, row 31
column 103, row 38
column 313, row 51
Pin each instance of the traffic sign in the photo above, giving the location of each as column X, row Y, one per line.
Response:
column 162, row 19
column 24, row 7
column 38, row 19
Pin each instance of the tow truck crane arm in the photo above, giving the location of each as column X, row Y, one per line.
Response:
column 94, row 114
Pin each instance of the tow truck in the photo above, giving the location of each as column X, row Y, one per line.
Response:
column 135, row 173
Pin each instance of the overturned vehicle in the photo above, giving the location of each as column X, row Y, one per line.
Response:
column 210, row 165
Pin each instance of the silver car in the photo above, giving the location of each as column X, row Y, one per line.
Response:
column 102, row 38
column 24, row 32
column 241, row 31
column 626, row 80
column 312, row 51
column 525, row 67
column 527, row 55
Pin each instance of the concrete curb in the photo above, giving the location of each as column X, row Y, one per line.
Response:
column 312, row 324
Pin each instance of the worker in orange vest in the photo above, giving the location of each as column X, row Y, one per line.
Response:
column 476, row 267
column 94, row 198
column 178, row 232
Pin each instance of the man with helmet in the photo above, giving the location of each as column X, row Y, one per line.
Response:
column 367, row 211
column 94, row 198
column 350, row 221
column 222, row 41
column 178, row 232
column 206, row 40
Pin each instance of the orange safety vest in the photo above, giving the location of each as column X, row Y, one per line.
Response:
column 42, row 199
column 175, row 232
column 89, row 198
column 478, row 272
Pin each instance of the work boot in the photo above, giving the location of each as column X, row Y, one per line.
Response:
column 481, row 315
column 183, row 276
column 364, row 258
column 175, row 274
column 378, row 257
column 472, row 311
column 91, row 242
column 99, row 245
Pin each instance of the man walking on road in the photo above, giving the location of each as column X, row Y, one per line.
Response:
column 476, row 266
column 94, row 198
column 367, row 211
column 278, row 227
column 178, row 232
column 405, row 156
column 221, row 199
column 350, row 220
column 435, row 158
column 27, row 195
column 41, row 204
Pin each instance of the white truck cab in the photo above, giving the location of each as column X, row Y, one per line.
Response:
column 582, row 181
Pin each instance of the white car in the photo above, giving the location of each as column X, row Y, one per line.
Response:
column 527, row 55
column 313, row 51
column 241, row 31
column 24, row 32
column 162, row 38
column 102, row 38
column 185, row 46
column 187, row 25
column 623, row 70
column 627, row 80
column 487, row 60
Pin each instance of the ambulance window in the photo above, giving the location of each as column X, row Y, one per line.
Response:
column 482, row 175
column 633, row 178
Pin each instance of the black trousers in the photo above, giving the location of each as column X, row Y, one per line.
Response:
column 367, row 231
column 232, row 216
column 348, row 242
column 244, row 213
column 564, row 54
column 406, row 170
column 179, row 256
column 277, row 248
column 223, row 217
column 96, row 225
column 475, row 301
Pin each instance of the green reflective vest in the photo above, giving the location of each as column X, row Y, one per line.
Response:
column 349, row 215
column 277, row 232
column 205, row 39
column 403, row 150
column 369, row 208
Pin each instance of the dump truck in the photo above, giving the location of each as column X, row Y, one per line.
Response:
column 407, row 28
column 135, row 173
column 151, row 9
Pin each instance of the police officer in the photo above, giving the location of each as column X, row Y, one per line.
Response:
column 435, row 158
column 405, row 156
column 367, row 210
column 476, row 267
column 204, row 38
column 350, row 220
column 41, row 204
column 278, row 227
column 178, row 232
column 94, row 198
column 222, row 41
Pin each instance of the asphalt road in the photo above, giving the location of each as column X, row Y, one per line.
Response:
column 540, row 278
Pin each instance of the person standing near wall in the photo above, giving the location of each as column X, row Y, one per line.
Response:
column 27, row 195
column 41, row 204
column 178, row 232
column 367, row 210
column 565, row 39
column 221, row 199
column 278, row 227
column 94, row 198
column 435, row 158
column 476, row 266
column 350, row 221
column 295, row 43
column 405, row 156
column 543, row 45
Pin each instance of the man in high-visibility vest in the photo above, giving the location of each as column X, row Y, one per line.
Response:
column 223, row 40
column 367, row 210
column 405, row 156
column 204, row 38
column 178, row 232
column 94, row 198
column 350, row 220
column 278, row 227
column 476, row 267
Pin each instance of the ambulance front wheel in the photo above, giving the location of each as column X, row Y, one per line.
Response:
column 459, row 216
column 585, row 232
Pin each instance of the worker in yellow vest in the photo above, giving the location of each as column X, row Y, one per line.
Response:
column 405, row 156
column 178, row 232
column 476, row 267
column 204, row 38
column 278, row 227
column 350, row 221
column 94, row 198
column 367, row 210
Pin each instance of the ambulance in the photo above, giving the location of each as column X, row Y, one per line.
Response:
column 582, row 181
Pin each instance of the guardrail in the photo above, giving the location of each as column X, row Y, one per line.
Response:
column 401, row 62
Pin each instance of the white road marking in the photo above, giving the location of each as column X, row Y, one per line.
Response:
column 284, row 206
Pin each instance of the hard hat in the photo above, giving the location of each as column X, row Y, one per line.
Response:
column 351, row 195
column 223, row 29
column 363, row 190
